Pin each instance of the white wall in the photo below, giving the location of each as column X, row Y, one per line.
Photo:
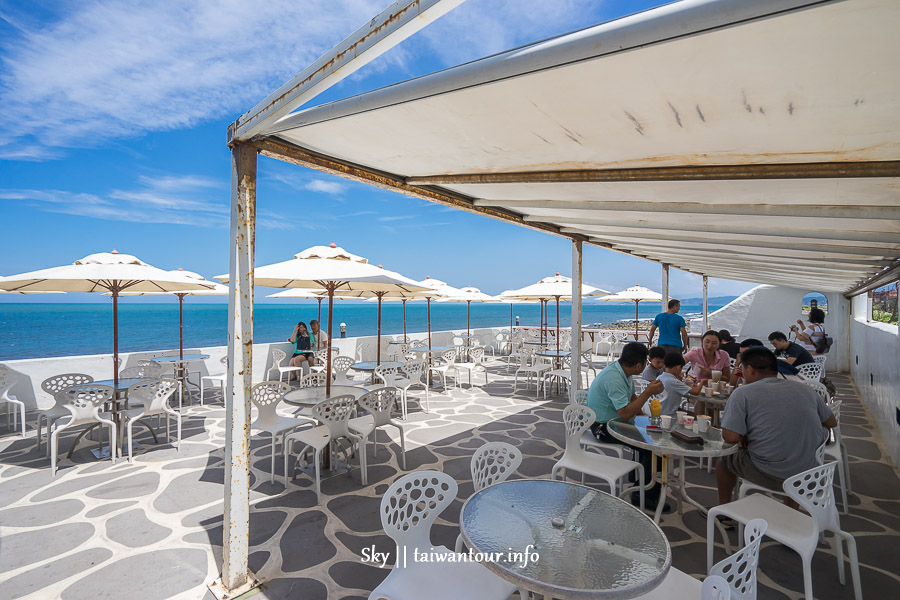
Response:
column 33, row 371
column 768, row 308
column 874, row 358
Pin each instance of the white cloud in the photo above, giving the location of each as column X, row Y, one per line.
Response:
column 178, row 200
column 395, row 218
column 335, row 188
column 96, row 71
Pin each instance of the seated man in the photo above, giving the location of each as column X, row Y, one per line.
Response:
column 611, row 395
column 674, row 387
column 737, row 375
column 778, row 423
column 655, row 365
column 790, row 352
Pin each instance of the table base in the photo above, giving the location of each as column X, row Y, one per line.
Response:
column 671, row 483
column 103, row 452
column 338, row 467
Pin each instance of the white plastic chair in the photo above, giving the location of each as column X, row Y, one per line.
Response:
column 491, row 463
column 215, row 378
column 387, row 374
column 84, row 403
column 838, row 452
column 588, row 365
column 380, row 404
column 334, row 414
column 266, row 396
column 715, row 588
column 407, row 519
column 278, row 356
column 531, row 371
column 821, row 358
column 588, row 441
column 810, row 371
column 813, row 491
column 154, row 398
column 412, row 376
column 6, row 382
column 745, row 487
column 737, row 572
column 398, row 352
column 448, row 364
column 340, row 365
column 562, row 376
column 820, row 389
column 476, row 355
column 311, row 380
column 577, row 420
column 53, row 386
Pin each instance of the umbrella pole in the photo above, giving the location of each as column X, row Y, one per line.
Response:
column 636, row 320
column 328, row 346
column 557, row 326
column 468, row 315
column 319, row 319
column 428, row 354
column 510, row 318
column 115, row 298
column 180, row 326
column 405, row 340
column 542, row 319
column 378, row 339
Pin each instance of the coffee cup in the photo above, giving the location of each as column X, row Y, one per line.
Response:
column 680, row 415
column 716, row 376
column 708, row 392
column 688, row 422
column 704, row 423
column 666, row 421
column 695, row 427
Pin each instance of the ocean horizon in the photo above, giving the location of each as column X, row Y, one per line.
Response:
column 40, row 330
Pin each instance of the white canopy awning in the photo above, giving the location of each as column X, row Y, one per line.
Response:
column 757, row 141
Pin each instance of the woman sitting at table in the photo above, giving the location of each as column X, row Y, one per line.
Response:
column 303, row 344
column 708, row 358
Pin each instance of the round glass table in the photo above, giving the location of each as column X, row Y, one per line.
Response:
column 663, row 444
column 565, row 540
column 313, row 395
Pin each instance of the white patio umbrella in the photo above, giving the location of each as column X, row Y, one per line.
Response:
column 444, row 289
column 104, row 272
column 636, row 294
column 469, row 295
column 331, row 269
column 217, row 290
column 23, row 293
column 556, row 286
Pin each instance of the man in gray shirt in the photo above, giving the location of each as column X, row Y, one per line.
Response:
column 778, row 423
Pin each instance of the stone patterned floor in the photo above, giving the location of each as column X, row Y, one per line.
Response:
column 153, row 529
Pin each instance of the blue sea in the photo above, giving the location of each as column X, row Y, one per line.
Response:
column 45, row 329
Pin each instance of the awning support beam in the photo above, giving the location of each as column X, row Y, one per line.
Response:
column 889, row 275
column 818, row 170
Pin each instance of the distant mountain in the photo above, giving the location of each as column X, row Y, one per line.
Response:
column 712, row 300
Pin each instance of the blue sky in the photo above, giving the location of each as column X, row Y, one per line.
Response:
column 114, row 137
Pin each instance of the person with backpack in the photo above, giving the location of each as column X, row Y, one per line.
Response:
column 813, row 333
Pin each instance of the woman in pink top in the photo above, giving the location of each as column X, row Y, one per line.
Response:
column 708, row 358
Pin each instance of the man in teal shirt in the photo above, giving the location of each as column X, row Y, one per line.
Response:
column 611, row 396
column 673, row 335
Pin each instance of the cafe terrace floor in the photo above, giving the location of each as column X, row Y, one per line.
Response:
column 153, row 529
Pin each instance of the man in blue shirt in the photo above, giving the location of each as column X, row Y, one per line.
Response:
column 611, row 396
column 672, row 329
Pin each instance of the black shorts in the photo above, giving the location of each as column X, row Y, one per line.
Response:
column 303, row 354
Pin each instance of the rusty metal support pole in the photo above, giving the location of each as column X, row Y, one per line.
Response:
column 575, row 364
column 329, row 343
column 665, row 288
column 236, row 576
column 705, row 303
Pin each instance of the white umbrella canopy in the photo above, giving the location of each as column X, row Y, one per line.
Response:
column 104, row 272
column 469, row 295
column 7, row 292
column 636, row 294
column 438, row 286
column 334, row 270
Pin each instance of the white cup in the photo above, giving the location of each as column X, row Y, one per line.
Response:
column 704, row 423
column 695, row 427
column 708, row 392
column 681, row 415
column 666, row 421
column 688, row 422
column 716, row 376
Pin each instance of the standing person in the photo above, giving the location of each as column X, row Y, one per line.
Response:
column 655, row 364
column 320, row 338
column 303, row 345
column 611, row 395
column 813, row 332
column 673, row 335
column 709, row 357
column 779, row 424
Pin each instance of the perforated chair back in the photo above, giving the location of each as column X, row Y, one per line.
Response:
column 494, row 462
column 341, row 364
column 577, row 419
column 265, row 396
column 715, row 588
column 85, row 401
column 380, row 403
column 313, row 380
column 411, row 505
column 813, row 490
column 335, row 413
column 57, row 383
column 153, row 394
column 820, row 389
column 278, row 355
column 580, row 397
column 810, row 371
column 387, row 374
column 739, row 569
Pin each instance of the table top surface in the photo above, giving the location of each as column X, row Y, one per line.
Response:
column 538, row 342
column 605, row 548
column 313, row 395
column 124, row 383
column 718, row 400
column 554, row 353
column 397, row 342
column 465, row 335
column 370, row 365
column 634, row 432
column 187, row 357
column 431, row 349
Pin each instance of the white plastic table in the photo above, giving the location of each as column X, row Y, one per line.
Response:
column 634, row 433
column 599, row 547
